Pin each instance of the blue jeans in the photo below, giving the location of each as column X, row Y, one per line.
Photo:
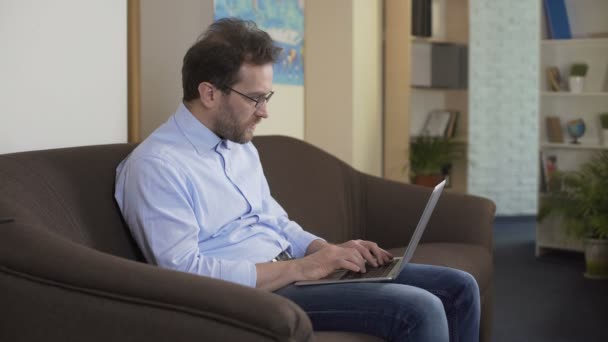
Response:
column 424, row 303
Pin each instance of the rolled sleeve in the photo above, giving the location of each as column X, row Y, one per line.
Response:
column 298, row 238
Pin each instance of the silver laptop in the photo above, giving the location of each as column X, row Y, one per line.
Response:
column 389, row 271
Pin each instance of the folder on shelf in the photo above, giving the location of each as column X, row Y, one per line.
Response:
column 558, row 26
column 439, row 65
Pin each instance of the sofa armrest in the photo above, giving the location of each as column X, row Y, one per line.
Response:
column 391, row 212
column 54, row 289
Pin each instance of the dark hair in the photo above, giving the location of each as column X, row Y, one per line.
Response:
column 219, row 52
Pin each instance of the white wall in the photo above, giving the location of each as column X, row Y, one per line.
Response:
column 503, row 122
column 63, row 70
column 286, row 112
column 168, row 29
column 343, row 80
column 367, row 86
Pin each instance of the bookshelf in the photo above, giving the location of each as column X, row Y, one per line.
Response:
column 587, row 45
column 405, row 106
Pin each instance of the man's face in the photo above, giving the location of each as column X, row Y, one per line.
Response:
column 238, row 115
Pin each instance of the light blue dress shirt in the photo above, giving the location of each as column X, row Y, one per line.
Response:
column 199, row 204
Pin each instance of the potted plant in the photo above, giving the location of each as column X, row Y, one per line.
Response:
column 429, row 157
column 604, row 125
column 576, row 81
column 580, row 198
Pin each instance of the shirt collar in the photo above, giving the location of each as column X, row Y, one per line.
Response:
column 201, row 137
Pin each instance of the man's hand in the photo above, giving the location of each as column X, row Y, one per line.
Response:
column 321, row 260
column 370, row 251
column 353, row 256
column 327, row 259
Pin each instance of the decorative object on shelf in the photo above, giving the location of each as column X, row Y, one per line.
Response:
column 581, row 199
column 576, row 81
column 558, row 26
column 551, row 168
column 548, row 169
column 429, row 157
column 604, row 125
column 576, row 129
column 554, row 129
column 554, row 79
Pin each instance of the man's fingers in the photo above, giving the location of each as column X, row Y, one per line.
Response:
column 355, row 257
column 349, row 265
column 368, row 256
column 353, row 265
column 381, row 255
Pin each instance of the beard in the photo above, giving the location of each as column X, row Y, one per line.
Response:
column 228, row 126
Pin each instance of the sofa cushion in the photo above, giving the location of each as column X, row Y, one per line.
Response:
column 339, row 336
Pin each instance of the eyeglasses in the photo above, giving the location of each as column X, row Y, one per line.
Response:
column 259, row 100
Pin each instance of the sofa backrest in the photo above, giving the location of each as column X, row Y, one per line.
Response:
column 69, row 191
column 317, row 190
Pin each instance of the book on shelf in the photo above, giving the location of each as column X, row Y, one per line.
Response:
column 554, row 79
column 542, row 185
column 422, row 18
column 554, row 129
column 558, row 25
column 440, row 123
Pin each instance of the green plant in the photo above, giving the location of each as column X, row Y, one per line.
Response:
column 581, row 198
column 579, row 69
column 428, row 155
column 604, row 120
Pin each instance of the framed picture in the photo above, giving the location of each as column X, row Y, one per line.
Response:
column 437, row 123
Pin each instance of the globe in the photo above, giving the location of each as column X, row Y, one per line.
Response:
column 576, row 129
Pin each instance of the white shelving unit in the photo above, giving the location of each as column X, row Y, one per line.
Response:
column 585, row 47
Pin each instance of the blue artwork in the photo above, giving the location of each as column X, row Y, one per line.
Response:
column 284, row 21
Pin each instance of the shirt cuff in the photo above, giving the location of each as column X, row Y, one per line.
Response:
column 299, row 240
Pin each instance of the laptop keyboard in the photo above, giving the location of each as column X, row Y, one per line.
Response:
column 372, row 272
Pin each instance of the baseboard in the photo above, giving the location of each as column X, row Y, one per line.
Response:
column 517, row 218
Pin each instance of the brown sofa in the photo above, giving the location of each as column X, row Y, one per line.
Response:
column 70, row 271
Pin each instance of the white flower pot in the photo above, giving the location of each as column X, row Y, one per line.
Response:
column 576, row 84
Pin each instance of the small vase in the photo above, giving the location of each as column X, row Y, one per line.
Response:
column 596, row 258
column 576, row 84
column 429, row 181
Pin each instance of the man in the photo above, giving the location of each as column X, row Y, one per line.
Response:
column 196, row 200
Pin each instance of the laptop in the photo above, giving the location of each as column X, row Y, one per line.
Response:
column 391, row 270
